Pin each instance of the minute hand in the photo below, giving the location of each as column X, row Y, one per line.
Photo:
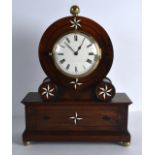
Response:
column 80, row 45
column 69, row 47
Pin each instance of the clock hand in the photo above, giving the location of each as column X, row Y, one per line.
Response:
column 80, row 46
column 69, row 47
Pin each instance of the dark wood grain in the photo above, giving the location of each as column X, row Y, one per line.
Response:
column 53, row 118
column 61, row 27
column 50, row 121
column 76, row 136
column 34, row 98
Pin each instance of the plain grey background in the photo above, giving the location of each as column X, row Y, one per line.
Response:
column 122, row 20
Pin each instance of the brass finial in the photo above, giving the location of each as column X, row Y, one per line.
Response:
column 74, row 10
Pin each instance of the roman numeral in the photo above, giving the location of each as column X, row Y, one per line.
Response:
column 67, row 39
column 76, row 69
column 89, row 61
column 89, row 45
column 91, row 53
column 75, row 38
column 62, row 46
column 67, row 67
column 60, row 54
column 62, row 61
column 84, row 67
column 96, row 58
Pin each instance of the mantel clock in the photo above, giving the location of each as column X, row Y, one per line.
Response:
column 76, row 101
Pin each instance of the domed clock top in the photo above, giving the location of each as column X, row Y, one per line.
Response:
column 75, row 48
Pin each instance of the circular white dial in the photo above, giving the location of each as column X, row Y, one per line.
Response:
column 76, row 54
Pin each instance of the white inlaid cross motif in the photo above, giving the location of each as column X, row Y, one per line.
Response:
column 76, row 83
column 76, row 118
column 75, row 23
column 48, row 91
column 105, row 91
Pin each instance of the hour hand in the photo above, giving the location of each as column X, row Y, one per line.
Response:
column 69, row 47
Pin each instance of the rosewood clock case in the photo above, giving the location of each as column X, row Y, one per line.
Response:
column 60, row 28
column 76, row 109
column 71, row 120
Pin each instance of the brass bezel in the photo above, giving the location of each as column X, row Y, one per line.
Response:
column 99, row 51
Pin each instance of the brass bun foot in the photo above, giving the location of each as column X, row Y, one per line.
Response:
column 125, row 143
column 26, row 142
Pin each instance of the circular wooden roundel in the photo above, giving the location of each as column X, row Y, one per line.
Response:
column 105, row 91
column 75, row 52
column 47, row 90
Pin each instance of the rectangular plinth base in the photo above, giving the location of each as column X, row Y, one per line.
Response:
column 78, row 121
column 87, row 136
